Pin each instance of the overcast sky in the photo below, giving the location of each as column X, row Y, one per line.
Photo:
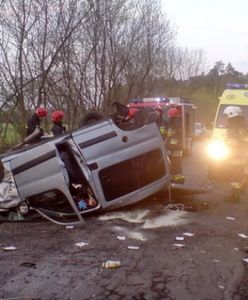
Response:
column 219, row 27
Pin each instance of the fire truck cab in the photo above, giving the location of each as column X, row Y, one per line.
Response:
column 186, row 109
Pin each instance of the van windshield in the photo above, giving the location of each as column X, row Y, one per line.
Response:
column 221, row 121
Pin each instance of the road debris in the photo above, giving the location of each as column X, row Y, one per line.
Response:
column 81, row 244
column 188, row 234
column 231, row 218
column 9, row 248
column 133, row 247
column 179, row 238
column 121, row 238
column 69, row 227
column 111, row 264
column 243, row 236
column 245, row 260
column 175, row 246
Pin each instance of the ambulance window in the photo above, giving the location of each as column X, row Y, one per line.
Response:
column 221, row 121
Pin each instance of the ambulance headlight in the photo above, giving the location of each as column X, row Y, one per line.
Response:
column 218, row 150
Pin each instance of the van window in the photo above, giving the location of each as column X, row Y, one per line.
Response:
column 221, row 121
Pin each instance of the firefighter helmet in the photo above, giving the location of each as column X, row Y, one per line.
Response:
column 232, row 111
column 131, row 113
column 41, row 112
column 57, row 116
column 173, row 112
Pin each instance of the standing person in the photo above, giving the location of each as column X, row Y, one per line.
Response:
column 160, row 121
column 174, row 144
column 34, row 122
column 237, row 138
column 57, row 119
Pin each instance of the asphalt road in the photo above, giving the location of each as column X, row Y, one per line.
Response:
column 209, row 264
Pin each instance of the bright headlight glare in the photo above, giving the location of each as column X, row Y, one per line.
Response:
column 218, row 150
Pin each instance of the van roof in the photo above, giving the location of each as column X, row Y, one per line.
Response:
column 234, row 96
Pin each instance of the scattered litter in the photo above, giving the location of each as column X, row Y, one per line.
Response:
column 178, row 245
column 236, row 249
column 111, row 264
column 243, row 236
column 81, row 244
column 133, row 247
column 69, row 227
column 9, row 248
column 188, row 234
column 245, row 259
column 121, row 238
column 221, row 287
column 216, row 260
column 230, row 218
column 203, row 252
column 179, row 238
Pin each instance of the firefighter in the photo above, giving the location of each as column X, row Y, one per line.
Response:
column 57, row 127
column 127, row 118
column 237, row 139
column 34, row 122
column 174, row 144
column 160, row 122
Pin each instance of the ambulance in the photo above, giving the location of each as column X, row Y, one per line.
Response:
column 222, row 159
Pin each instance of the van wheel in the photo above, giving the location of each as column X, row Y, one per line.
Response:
column 90, row 118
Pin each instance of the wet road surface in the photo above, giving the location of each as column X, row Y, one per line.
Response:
column 195, row 252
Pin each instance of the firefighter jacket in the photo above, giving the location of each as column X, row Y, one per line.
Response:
column 58, row 129
column 33, row 123
column 174, row 136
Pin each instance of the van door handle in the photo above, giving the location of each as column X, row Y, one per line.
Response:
column 124, row 139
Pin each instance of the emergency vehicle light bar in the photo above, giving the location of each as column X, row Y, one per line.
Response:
column 149, row 99
column 237, row 86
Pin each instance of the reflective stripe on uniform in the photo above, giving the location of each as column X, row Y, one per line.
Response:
column 178, row 153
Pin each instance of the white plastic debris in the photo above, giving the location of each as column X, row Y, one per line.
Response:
column 245, row 259
column 188, row 234
column 121, row 238
column 178, row 245
column 236, row 249
column 230, row 218
column 216, row 260
column 69, row 227
column 81, row 244
column 111, row 264
column 179, row 238
column 221, row 287
column 243, row 236
column 133, row 247
column 9, row 248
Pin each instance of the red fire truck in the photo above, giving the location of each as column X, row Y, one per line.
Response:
column 186, row 109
